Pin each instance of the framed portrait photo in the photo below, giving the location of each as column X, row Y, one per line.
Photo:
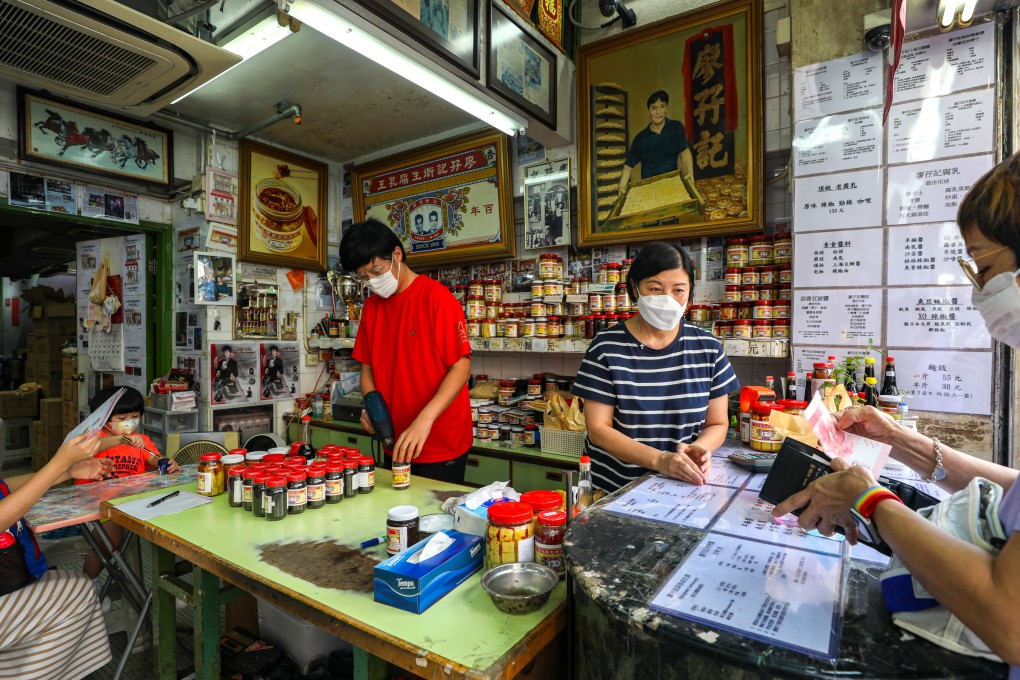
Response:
column 670, row 128
column 447, row 202
column 448, row 27
column 521, row 69
column 215, row 278
column 281, row 208
column 547, row 204
column 60, row 132
column 220, row 195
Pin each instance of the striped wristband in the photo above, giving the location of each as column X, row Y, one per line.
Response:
column 867, row 502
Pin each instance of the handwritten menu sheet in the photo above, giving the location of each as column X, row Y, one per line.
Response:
column 837, row 317
column 825, row 259
column 847, row 200
column 673, row 502
column 780, row 595
column 937, row 317
column 954, row 125
column 726, row 473
column 931, row 192
column 839, row 85
column 946, row 382
column 923, row 254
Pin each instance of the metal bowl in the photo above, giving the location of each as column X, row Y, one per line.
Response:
column 521, row 587
column 433, row 524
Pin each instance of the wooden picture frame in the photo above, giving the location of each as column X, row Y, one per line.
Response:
column 60, row 132
column 520, row 68
column 282, row 213
column 547, row 204
column 447, row 202
column 708, row 62
column 429, row 22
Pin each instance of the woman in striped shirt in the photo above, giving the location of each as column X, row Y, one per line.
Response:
column 51, row 623
column 655, row 387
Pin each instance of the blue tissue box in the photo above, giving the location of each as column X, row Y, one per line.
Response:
column 416, row 587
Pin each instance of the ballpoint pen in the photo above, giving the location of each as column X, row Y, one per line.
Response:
column 372, row 542
column 167, row 497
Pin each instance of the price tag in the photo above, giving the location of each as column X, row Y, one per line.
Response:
column 539, row 345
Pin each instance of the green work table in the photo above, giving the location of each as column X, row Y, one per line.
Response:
column 461, row 636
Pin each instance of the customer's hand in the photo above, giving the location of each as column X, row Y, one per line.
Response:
column 412, row 440
column 91, row 468
column 75, row 449
column 681, row 466
column 827, row 500
column 867, row 421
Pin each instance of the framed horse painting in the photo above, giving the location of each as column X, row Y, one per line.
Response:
column 64, row 133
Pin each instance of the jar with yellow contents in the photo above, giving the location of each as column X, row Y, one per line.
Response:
column 211, row 480
column 509, row 535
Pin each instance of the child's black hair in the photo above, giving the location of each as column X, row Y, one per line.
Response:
column 130, row 402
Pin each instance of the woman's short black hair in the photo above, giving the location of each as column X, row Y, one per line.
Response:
column 131, row 401
column 365, row 241
column 655, row 258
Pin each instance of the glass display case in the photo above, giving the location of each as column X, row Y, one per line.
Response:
column 256, row 315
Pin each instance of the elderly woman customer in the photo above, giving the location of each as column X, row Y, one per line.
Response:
column 655, row 386
column 980, row 588
column 51, row 624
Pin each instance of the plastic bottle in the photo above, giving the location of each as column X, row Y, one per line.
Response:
column 770, row 383
column 906, row 420
column 317, row 406
column 585, row 492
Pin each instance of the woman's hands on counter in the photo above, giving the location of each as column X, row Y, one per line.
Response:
column 690, row 463
column 827, row 500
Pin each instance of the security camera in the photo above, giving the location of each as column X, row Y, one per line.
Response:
column 610, row 7
column 877, row 38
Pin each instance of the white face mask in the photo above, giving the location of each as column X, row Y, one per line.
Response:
column 661, row 311
column 999, row 304
column 384, row 285
column 124, row 427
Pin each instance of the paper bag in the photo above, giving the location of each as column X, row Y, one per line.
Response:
column 97, row 293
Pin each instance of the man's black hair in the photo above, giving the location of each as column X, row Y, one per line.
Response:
column 419, row 218
column 274, row 348
column 131, row 401
column 433, row 213
column 657, row 96
column 365, row 241
column 226, row 348
column 656, row 258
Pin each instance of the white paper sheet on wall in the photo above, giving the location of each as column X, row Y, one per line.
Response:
column 939, row 127
column 847, row 200
column 837, row 317
column 932, row 191
column 946, row 382
column 936, row 317
column 950, row 62
column 839, row 85
column 925, row 254
column 836, row 143
column 106, row 350
column 837, row 258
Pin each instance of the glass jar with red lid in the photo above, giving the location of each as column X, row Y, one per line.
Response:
column 550, row 529
column 509, row 535
column 211, row 480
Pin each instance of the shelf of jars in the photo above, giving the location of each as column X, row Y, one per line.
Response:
column 764, row 348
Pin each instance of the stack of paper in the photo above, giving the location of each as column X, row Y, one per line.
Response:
column 182, row 401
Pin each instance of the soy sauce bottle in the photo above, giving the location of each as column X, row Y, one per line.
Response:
column 306, row 449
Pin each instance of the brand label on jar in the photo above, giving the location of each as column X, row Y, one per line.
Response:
column 297, row 497
column 401, row 476
column 246, row 494
column 396, row 539
column 366, row 479
column 316, row 492
column 550, row 555
column 335, row 487
column 205, row 482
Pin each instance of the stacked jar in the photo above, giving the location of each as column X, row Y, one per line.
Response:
column 757, row 287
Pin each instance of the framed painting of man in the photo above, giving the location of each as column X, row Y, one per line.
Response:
column 670, row 128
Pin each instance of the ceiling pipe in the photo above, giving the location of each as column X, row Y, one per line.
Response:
column 284, row 110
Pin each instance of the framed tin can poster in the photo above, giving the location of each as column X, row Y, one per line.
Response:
column 282, row 208
column 447, row 202
column 64, row 133
column 448, row 27
column 520, row 68
column 670, row 128
column 547, row 204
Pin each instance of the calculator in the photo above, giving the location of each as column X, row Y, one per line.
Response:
column 755, row 462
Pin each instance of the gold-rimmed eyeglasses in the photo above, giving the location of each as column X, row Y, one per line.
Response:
column 970, row 270
column 372, row 272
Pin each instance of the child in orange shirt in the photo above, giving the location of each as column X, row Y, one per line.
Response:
column 132, row 458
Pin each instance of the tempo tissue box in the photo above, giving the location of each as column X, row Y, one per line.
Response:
column 414, row 587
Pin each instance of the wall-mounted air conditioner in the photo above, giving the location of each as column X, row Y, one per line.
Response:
column 102, row 52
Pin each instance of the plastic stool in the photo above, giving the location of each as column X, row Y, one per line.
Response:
column 7, row 428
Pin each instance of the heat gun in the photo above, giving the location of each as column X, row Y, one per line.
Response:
column 379, row 416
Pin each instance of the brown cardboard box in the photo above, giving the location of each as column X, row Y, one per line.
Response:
column 47, row 347
column 57, row 326
column 69, row 391
column 49, row 389
column 18, row 404
column 51, row 412
column 70, row 367
column 59, row 310
column 47, row 439
column 31, row 372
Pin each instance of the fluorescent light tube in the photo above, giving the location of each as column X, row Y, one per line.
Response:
column 367, row 45
column 256, row 39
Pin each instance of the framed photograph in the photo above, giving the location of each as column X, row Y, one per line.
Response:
column 521, row 69
column 447, row 202
column 220, row 196
column 282, row 208
column 447, row 27
column 215, row 278
column 670, row 128
column 59, row 132
column 547, row 204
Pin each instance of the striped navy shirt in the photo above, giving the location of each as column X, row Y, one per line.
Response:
column 660, row 396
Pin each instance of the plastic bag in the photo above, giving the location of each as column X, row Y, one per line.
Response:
column 559, row 415
column 97, row 293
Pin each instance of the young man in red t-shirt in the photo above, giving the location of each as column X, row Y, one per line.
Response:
column 413, row 347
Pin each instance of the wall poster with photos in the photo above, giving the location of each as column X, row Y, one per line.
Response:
column 215, row 278
column 547, row 204
column 447, row 202
column 521, row 69
column 448, row 27
column 670, row 128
